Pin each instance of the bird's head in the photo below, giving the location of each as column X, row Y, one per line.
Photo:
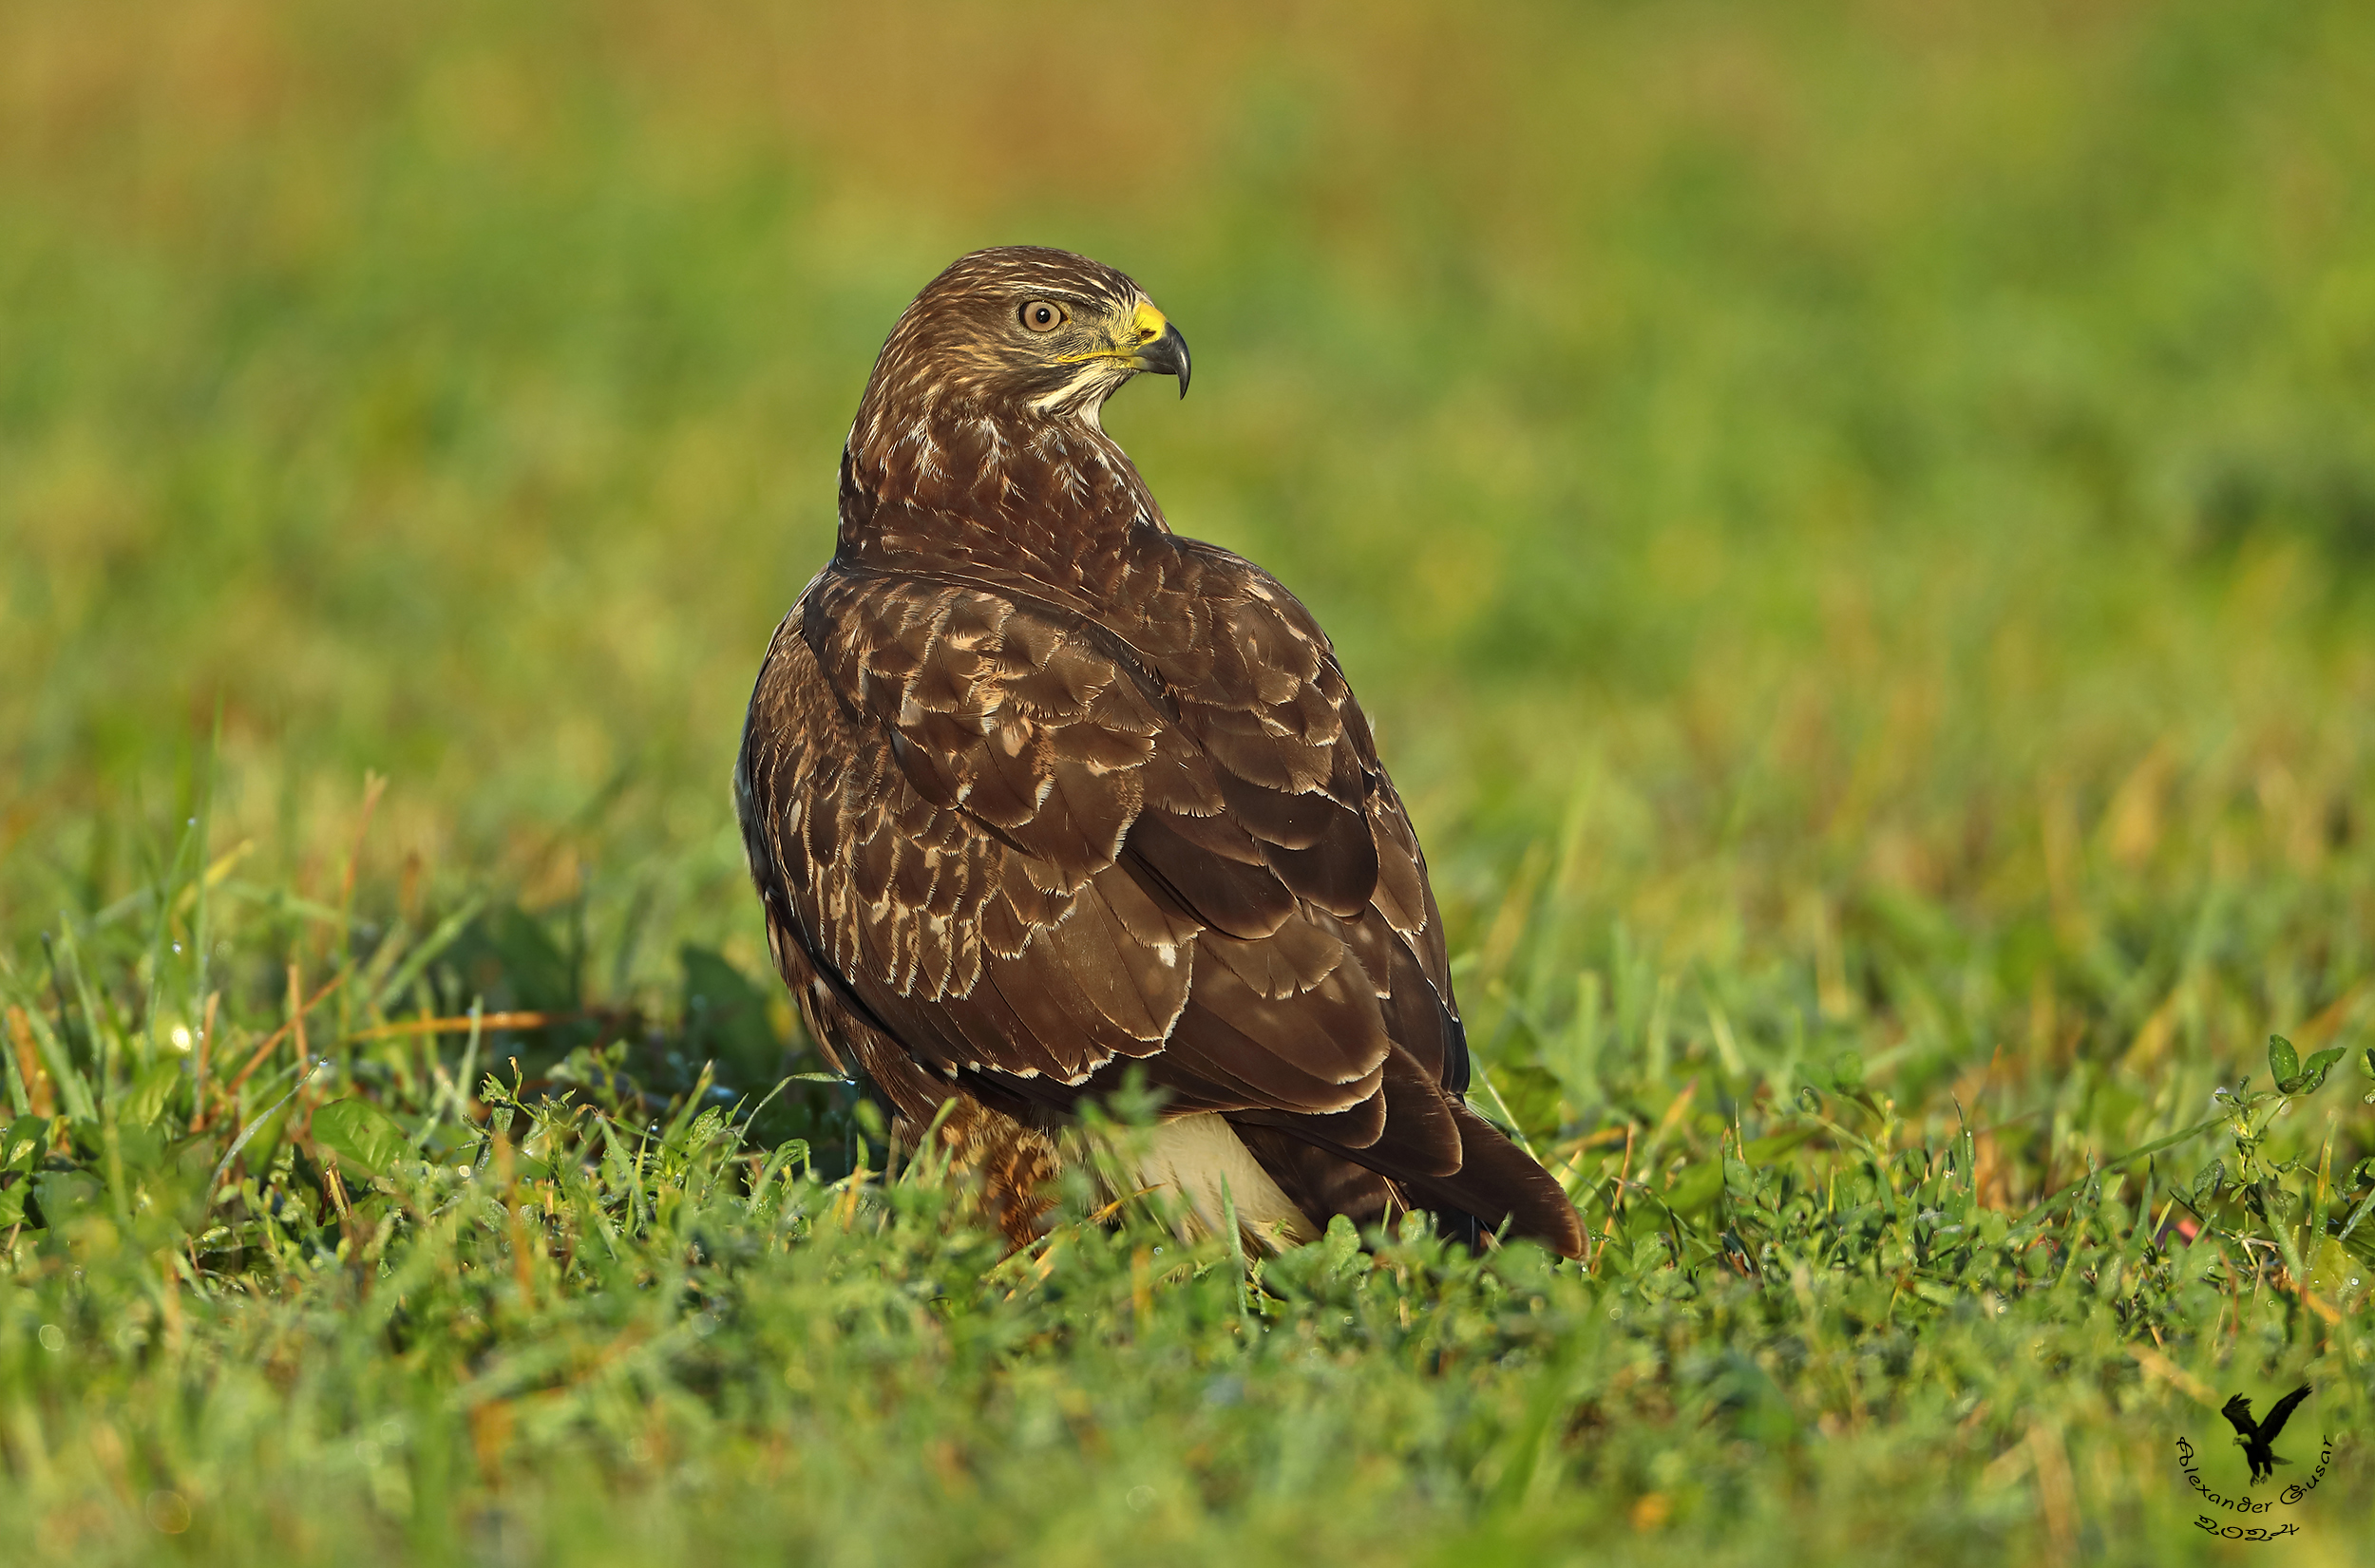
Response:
column 1021, row 330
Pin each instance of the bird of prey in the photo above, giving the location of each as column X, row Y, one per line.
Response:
column 2257, row 1437
column 1037, row 793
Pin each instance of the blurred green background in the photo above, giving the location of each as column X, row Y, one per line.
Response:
column 1808, row 492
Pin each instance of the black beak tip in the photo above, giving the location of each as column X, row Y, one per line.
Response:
column 1170, row 355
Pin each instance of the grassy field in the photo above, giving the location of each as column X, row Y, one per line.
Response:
column 1857, row 526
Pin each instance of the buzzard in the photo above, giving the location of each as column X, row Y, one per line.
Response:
column 1037, row 793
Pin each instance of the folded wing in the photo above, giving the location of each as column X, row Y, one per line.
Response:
column 1032, row 847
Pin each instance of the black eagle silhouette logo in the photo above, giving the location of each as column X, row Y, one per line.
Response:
column 2258, row 1437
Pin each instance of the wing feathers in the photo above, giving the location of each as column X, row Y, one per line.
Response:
column 1338, row 873
column 1291, row 960
column 1320, row 1054
column 1204, row 875
column 1139, row 986
column 1031, row 846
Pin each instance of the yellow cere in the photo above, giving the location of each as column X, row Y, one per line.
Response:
column 1145, row 325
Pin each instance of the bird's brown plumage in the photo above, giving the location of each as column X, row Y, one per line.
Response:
column 1033, row 790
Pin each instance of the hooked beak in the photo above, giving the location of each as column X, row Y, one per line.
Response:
column 1165, row 356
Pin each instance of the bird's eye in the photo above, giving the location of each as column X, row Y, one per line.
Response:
column 1040, row 316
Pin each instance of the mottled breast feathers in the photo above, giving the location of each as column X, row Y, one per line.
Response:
column 1033, row 790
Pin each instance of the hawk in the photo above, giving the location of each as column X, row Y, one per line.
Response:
column 1037, row 793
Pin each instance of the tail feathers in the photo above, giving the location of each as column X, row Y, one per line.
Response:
column 1500, row 1183
column 1493, row 1184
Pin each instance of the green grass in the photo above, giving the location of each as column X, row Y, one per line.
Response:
column 1857, row 526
